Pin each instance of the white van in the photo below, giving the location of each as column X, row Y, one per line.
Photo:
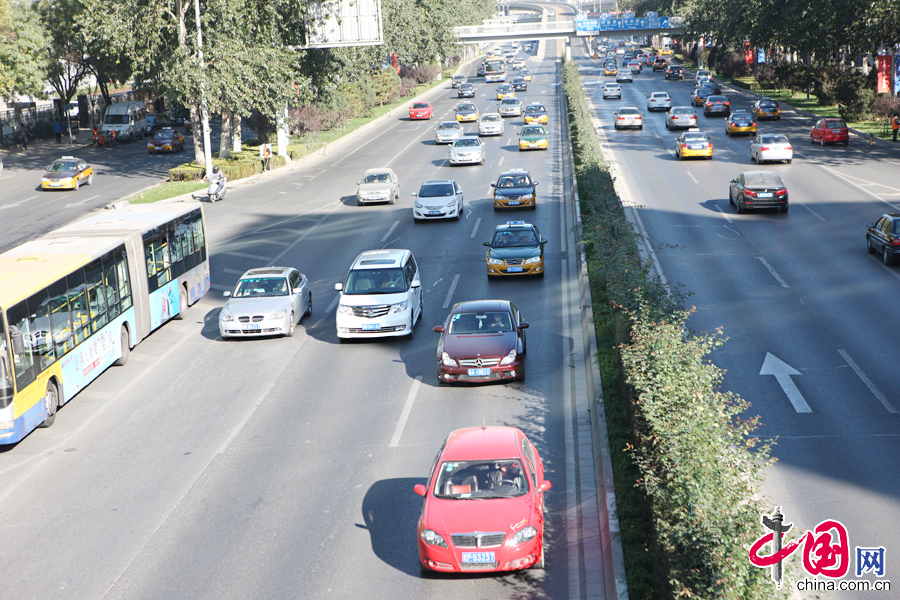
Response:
column 128, row 119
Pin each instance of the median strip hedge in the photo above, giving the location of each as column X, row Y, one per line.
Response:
column 686, row 465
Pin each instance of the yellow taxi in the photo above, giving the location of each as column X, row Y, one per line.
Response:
column 505, row 91
column 515, row 189
column 525, row 74
column 533, row 137
column 536, row 113
column 67, row 173
column 610, row 70
column 466, row 112
column 766, row 108
column 740, row 121
column 693, row 143
column 516, row 249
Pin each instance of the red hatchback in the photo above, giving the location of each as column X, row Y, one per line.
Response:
column 830, row 131
column 484, row 504
column 482, row 340
column 421, row 110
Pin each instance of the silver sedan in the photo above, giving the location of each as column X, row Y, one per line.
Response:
column 629, row 116
column 467, row 150
column 612, row 90
column 378, row 185
column 681, row 117
column 771, row 147
column 266, row 301
column 447, row 131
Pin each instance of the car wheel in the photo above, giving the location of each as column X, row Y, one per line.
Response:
column 785, row 208
column 359, row 202
column 847, row 143
column 811, row 140
column 91, row 179
column 640, row 127
column 293, row 321
column 727, row 132
column 886, row 257
column 753, row 158
column 51, row 404
column 789, row 161
column 822, row 141
column 869, row 247
column 740, row 206
column 309, row 306
column 541, row 563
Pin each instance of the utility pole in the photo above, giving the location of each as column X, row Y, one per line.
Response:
column 204, row 111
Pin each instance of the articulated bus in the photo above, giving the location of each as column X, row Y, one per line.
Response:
column 494, row 70
column 76, row 300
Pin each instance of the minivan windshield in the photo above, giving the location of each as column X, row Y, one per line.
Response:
column 117, row 119
column 375, row 281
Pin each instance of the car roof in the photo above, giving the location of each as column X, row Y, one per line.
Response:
column 268, row 272
column 477, row 443
column 378, row 171
column 515, row 172
column 375, row 259
column 480, row 306
column 514, row 226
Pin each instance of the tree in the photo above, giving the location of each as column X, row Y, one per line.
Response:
column 23, row 60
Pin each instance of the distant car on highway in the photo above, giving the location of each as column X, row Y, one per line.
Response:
column 510, row 107
column 378, row 185
column 457, row 80
column 693, row 143
column 740, row 122
column 265, row 301
column 753, row 190
column 771, row 147
column 465, row 90
column 166, row 140
column 466, row 111
column 716, row 105
column 447, row 131
column 675, row 72
column 536, row 113
column 515, row 189
column 490, row 124
column 660, row 64
column 624, row 76
column 659, row 101
column 766, row 108
column 883, row 237
column 612, row 90
column 533, row 137
column 681, row 117
column 421, row 110
column 629, row 117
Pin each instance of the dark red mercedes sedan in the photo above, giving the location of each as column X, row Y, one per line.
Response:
column 482, row 340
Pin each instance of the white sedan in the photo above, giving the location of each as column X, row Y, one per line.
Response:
column 612, row 90
column 770, row 147
column 659, row 101
column 266, row 301
column 467, row 150
column 490, row 124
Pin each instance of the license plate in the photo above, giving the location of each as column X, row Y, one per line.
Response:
column 697, row 147
column 532, row 144
column 251, row 327
column 765, row 195
column 513, row 202
column 479, row 373
column 478, row 557
column 371, row 326
column 434, row 212
column 513, row 269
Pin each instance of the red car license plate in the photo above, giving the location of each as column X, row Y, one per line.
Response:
column 478, row 557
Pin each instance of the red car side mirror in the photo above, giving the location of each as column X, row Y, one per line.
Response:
column 420, row 489
column 439, row 328
column 545, row 485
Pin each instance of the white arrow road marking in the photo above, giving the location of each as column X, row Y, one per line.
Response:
column 782, row 371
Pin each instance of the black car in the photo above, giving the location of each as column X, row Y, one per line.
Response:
column 712, row 86
column 155, row 122
column 716, row 105
column 515, row 189
column 481, row 71
column 675, row 72
column 758, row 189
column 884, row 237
column 465, row 90
column 182, row 117
column 519, row 84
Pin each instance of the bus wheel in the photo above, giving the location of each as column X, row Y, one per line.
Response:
column 51, row 403
column 125, row 349
column 184, row 303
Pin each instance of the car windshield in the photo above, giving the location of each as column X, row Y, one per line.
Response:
column 682, row 111
column 535, row 109
column 533, row 131
column 449, row 126
column 741, row 117
column 483, row 322
column 767, row 104
column 763, row 180
column 116, row 119
column 63, row 165
column 465, row 107
column 466, row 143
column 164, row 135
column 775, row 139
column 835, row 124
column 489, row 118
column 509, row 238
column 661, row 96
column 377, row 178
column 420, row 105
column 257, row 287
column 473, row 479
column 436, row 190
column 611, row 86
column 508, row 181
column 628, row 111
column 375, row 281
column 694, row 137
column 509, row 102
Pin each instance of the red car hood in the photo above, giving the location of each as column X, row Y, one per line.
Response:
column 485, row 345
column 487, row 515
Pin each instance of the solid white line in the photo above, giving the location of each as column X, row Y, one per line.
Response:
column 250, row 256
column 475, row 229
column 724, row 214
column 694, row 179
column 450, row 291
column 390, row 231
column 772, row 271
column 80, row 202
column 407, row 408
column 501, row 161
column 821, row 218
column 233, row 271
column 859, row 372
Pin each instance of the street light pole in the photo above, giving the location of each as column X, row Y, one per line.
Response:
column 204, row 111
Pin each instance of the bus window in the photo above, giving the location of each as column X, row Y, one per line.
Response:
column 122, row 277
column 63, row 332
column 156, row 249
column 96, row 294
column 6, row 382
column 111, row 286
column 41, row 327
column 23, row 363
column 78, row 315
column 199, row 235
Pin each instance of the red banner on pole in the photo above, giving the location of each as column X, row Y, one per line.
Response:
column 884, row 74
column 395, row 63
column 748, row 53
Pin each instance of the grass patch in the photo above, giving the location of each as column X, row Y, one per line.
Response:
column 167, row 190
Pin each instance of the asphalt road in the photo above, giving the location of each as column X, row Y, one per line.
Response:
column 284, row 468
column 799, row 286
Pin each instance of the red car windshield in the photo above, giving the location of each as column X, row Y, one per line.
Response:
column 485, row 322
column 468, row 480
column 835, row 125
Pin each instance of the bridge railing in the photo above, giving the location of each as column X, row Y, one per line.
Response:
column 552, row 27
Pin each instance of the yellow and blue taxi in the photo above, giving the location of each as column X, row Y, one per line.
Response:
column 766, row 108
column 610, row 69
column 698, row 98
column 525, row 74
column 505, row 91
column 515, row 189
column 740, row 121
column 166, row 140
column 533, row 137
column 466, row 112
column 67, row 173
column 515, row 249
column 693, row 143
column 536, row 113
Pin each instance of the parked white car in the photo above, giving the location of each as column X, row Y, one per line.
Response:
column 771, row 147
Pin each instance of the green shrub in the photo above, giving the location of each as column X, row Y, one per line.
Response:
column 386, row 84
column 360, row 97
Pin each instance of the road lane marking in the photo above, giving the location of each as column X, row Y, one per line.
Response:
column 782, row 371
column 820, row 217
column 80, row 202
column 233, row 271
column 773, row 272
column 451, row 290
column 724, row 214
column 475, row 229
column 251, row 256
column 501, row 161
column 691, row 175
column 875, row 392
column 390, row 231
column 407, row 408
column 19, row 203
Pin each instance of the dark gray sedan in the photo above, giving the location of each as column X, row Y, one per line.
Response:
column 758, row 189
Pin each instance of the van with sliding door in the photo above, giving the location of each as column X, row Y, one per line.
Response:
column 127, row 119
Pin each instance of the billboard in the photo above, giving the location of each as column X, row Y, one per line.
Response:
column 883, row 85
column 335, row 23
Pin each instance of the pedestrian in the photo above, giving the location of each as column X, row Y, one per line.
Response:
column 57, row 129
column 895, row 125
column 23, row 135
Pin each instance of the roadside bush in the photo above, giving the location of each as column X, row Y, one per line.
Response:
column 854, row 97
column 408, row 86
column 360, row 97
column 305, row 119
column 734, row 67
column 334, row 107
column 825, row 82
column 886, row 105
column 422, row 74
column 386, row 84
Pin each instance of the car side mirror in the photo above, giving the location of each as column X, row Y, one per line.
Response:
column 18, row 340
column 543, row 242
column 439, row 329
column 545, row 485
column 536, row 182
column 732, row 181
column 523, row 325
column 870, row 225
column 416, row 284
column 227, row 294
column 420, row 489
column 493, row 185
column 415, row 193
column 339, row 287
column 487, row 243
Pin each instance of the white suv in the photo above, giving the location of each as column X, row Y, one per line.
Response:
column 382, row 296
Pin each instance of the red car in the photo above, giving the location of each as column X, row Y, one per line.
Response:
column 482, row 340
column 421, row 110
column 484, row 504
column 830, row 131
